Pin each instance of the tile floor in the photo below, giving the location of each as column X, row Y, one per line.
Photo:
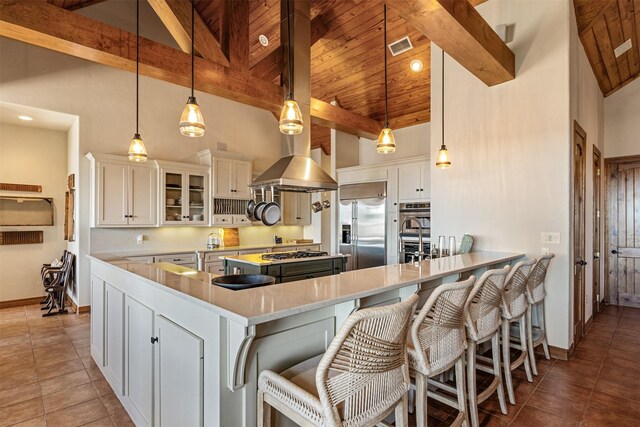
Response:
column 47, row 378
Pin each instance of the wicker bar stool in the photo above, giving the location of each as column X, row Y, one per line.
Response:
column 514, row 310
column 535, row 298
column 438, row 343
column 361, row 378
column 483, row 322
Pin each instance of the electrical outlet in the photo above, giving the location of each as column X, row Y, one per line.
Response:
column 140, row 239
column 545, row 251
column 550, row 238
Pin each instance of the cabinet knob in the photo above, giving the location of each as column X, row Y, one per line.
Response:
column 154, row 340
column 417, row 189
column 422, row 189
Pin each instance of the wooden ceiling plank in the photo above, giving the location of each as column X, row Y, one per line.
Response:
column 614, row 27
column 593, row 55
column 176, row 16
column 589, row 11
column 605, row 48
column 410, row 119
column 325, row 114
column 627, row 18
column 460, row 30
column 234, row 33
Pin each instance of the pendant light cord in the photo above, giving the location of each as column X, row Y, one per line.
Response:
column 137, row 59
column 192, row 44
column 443, row 97
column 386, row 96
column 290, row 89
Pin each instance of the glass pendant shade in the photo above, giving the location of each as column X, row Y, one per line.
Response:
column 291, row 118
column 443, row 161
column 386, row 142
column 191, row 121
column 137, row 150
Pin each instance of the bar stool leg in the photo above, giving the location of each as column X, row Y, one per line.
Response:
column 471, row 383
column 495, row 354
column 264, row 411
column 461, row 388
column 532, row 356
column 543, row 330
column 401, row 412
column 421, row 400
column 523, row 341
column 506, row 361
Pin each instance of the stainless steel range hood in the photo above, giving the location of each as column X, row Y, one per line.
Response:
column 295, row 171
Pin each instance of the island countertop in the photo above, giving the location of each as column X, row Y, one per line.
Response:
column 258, row 305
column 256, row 259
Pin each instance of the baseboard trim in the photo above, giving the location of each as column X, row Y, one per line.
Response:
column 588, row 324
column 20, row 302
column 601, row 306
column 561, row 353
column 74, row 307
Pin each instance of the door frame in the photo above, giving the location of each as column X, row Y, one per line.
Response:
column 596, row 227
column 609, row 164
column 578, row 325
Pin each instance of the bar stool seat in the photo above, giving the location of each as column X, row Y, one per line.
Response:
column 361, row 378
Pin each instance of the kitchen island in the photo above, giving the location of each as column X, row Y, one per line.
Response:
column 180, row 351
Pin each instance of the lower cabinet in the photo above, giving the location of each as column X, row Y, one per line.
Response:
column 114, row 337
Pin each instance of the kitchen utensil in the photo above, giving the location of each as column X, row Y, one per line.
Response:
column 257, row 212
column 271, row 212
column 316, row 207
column 251, row 206
column 452, row 245
column 441, row 244
column 243, row 281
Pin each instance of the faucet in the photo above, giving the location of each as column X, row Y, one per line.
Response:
column 419, row 253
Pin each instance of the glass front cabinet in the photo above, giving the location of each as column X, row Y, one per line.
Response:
column 184, row 191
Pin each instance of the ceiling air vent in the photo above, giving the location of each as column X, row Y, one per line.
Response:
column 622, row 48
column 400, row 46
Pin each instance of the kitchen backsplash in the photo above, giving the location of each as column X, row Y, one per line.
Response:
column 124, row 240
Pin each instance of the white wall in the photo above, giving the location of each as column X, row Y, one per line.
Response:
column 410, row 142
column 32, row 156
column 510, row 149
column 622, row 121
column 587, row 108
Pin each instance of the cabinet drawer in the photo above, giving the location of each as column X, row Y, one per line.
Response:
column 142, row 259
column 303, row 268
column 215, row 256
column 222, row 219
column 240, row 220
column 178, row 258
column 214, row 267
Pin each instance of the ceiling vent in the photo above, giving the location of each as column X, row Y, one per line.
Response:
column 400, row 46
column 622, row 48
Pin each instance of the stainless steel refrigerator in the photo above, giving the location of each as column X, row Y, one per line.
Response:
column 362, row 225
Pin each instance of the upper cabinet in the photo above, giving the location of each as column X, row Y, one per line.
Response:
column 123, row 194
column 414, row 182
column 231, row 178
column 184, row 193
column 296, row 208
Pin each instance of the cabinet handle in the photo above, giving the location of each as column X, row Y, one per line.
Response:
column 417, row 189
column 422, row 189
column 154, row 340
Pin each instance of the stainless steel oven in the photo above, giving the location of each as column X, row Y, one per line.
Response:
column 418, row 215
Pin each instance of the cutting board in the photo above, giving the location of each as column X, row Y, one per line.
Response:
column 230, row 237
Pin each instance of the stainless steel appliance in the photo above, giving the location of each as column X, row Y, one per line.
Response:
column 414, row 234
column 362, row 224
column 296, row 254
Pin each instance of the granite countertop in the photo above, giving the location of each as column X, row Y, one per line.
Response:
column 256, row 259
column 263, row 304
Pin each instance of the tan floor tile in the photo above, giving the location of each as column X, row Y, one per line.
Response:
column 534, row 417
column 122, row 419
column 57, row 369
column 84, row 351
column 614, row 404
column 69, row 397
column 77, row 415
column 88, row 362
column 82, row 342
column 75, row 320
column 111, row 402
column 52, row 355
column 18, row 378
column 562, row 407
column 55, row 338
column 564, row 390
column 19, row 412
column 40, row 421
column 103, row 422
column 94, row 373
column 63, row 382
column 17, row 364
column 627, row 387
column 102, row 387
column 15, row 340
column 24, row 356
column 595, row 417
column 19, row 394
column 20, row 347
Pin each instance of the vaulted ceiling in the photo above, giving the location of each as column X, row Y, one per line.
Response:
column 604, row 25
column 347, row 53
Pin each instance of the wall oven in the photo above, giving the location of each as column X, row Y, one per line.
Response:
column 414, row 235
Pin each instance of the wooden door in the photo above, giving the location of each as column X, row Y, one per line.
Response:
column 579, row 179
column 623, row 231
column 597, row 240
column 143, row 195
column 112, row 194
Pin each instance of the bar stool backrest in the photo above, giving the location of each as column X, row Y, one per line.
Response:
column 514, row 301
column 483, row 318
column 364, row 372
column 535, row 281
column 438, row 333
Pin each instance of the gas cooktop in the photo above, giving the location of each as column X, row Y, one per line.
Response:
column 297, row 254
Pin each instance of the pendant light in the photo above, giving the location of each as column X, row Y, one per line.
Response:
column 443, row 161
column 191, row 121
column 386, row 141
column 137, row 150
column 290, row 116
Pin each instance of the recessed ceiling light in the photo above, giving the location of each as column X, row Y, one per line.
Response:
column 25, row 118
column 264, row 41
column 416, row 65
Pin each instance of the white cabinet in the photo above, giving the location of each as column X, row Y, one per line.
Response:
column 187, row 259
column 414, row 182
column 184, row 194
column 231, row 178
column 97, row 319
column 213, row 264
column 114, row 337
column 123, row 194
column 139, row 355
column 179, row 365
column 296, row 208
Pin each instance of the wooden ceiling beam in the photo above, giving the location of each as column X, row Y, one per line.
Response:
column 458, row 28
column 234, row 33
column 74, row 5
column 50, row 27
column 176, row 16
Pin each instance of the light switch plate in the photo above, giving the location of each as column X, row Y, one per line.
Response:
column 550, row 238
column 545, row 251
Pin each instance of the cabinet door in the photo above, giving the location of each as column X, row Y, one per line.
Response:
column 139, row 360
column 243, row 174
column 172, row 183
column 289, row 208
column 197, row 198
column 214, row 268
column 114, row 337
column 179, row 375
column 425, row 185
column 222, row 178
column 304, row 208
column 112, row 194
column 409, row 179
column 97, row 320
column 143, row 200
column 392, row 238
